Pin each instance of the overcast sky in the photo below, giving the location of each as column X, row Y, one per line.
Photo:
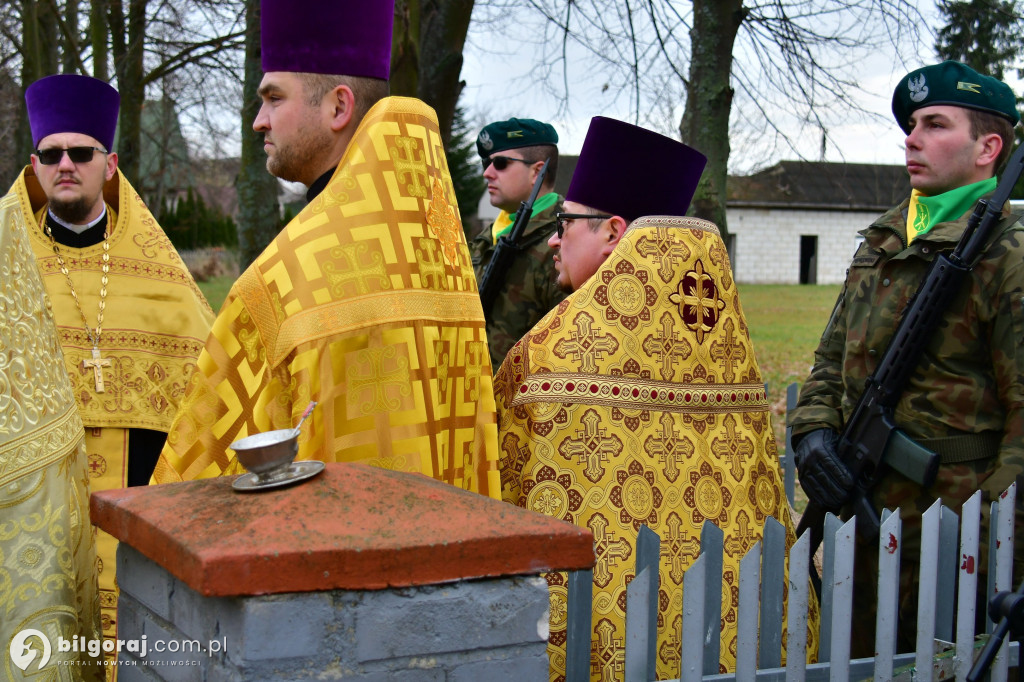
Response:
column 499, row 71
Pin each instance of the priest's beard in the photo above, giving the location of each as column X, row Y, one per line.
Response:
column 293, row 161
column 74, row 212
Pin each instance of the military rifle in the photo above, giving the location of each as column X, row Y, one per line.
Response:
column 870, row 440
column 506, row 248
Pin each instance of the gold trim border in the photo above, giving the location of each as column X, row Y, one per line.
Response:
column 629, row 393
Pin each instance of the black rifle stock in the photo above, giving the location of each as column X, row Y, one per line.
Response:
column 871, row 429
column 506, row 248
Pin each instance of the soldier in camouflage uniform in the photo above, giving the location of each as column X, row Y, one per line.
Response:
column 513, row 152
column 965, row 400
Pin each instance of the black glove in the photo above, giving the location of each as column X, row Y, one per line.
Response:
column 823, row 476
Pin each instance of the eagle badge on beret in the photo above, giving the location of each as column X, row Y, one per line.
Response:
column 485, row 140
column 918, row 88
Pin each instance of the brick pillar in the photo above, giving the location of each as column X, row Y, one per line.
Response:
column 359, row 573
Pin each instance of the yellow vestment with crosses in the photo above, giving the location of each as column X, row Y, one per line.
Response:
column 367, row 304
column 638, row 402
column 47, row 552
column 154, row 324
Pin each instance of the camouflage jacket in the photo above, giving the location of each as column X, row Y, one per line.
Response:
column 530, row 290
column 970, row 379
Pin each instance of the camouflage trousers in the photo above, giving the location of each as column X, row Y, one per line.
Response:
column 954, row 485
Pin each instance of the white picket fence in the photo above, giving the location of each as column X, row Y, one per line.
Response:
column 762, row 581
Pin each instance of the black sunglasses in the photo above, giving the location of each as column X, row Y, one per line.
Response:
column 53, row 155
column 560, row 219
column 501, row 162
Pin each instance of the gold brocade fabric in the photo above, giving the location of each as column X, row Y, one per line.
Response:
column 47, row 555
column 366, row 302
column 638, row 402
column 156, row 319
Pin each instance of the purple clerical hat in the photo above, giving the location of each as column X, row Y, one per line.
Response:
column 339, row 37
column 68, row 103
column 631, row 172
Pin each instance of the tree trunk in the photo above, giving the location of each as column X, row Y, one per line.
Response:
column 39, row 31
column 128, row 66
column 705, row 123
column 98, row 38
column 426, row 55
column 258, row 216
column 69, row 44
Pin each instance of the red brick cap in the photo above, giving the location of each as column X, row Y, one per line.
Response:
column 353, row 527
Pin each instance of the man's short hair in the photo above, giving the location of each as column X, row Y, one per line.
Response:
column 543, row 152
column 984, row 123
column 367, row 91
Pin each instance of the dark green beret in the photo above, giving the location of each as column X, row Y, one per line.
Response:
column 955, row 84
column 512, row 134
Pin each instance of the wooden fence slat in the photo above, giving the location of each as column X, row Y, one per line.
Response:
column 799, row 591
column 642, row 608
column 842, row 601
column 712, row 543
column 949, row 530
column 1004, row 568
column 580, row 593
column 773, row 577
column 692, row 667
column 638, row 631
column 788, row 461
column 890, row 539
column 927, row 590
column 832, row 526
column 746, row 628
column 968, row 584
column 990, row 585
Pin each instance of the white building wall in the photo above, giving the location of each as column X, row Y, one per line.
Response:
column 767, row 243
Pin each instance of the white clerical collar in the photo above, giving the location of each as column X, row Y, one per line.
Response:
column 78, row 229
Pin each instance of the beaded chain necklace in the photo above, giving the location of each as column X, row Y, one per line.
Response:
column 96, row 363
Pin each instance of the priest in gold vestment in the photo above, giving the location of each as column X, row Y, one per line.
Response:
column 130, row 318
column 366, row 302
column 47, row 552
column 638, row 400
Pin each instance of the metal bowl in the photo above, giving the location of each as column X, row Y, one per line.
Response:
column 267, row 453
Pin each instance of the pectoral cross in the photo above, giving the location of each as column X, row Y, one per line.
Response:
column 97, row 363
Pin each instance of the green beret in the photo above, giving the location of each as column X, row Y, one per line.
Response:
column 954, row 84
column 512, row 134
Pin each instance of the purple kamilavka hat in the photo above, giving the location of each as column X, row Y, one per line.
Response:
column 631, row 172
column 341, row 37
column 68, row 103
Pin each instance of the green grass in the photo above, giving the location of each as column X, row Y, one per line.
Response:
column 216, row 290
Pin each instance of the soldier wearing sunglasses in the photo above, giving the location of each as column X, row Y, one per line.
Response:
column 513, row 153
column 129, row 317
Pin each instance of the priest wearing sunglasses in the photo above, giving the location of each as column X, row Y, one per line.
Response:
column 513, row 153
column 129, row 318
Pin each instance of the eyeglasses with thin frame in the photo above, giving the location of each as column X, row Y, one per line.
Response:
column 561, row 218
column 53, row 155
column 501, row 162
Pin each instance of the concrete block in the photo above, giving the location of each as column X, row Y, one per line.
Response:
column 145, row 580
column 172, row 657
column 459, row 617
column 194, row 614
column 274, row 627
column 136, row 673
column 525, row 668
column 411, row 675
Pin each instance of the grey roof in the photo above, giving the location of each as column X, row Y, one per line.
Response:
column 821, row 185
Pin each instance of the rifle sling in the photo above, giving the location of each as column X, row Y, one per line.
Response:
column 966, row 447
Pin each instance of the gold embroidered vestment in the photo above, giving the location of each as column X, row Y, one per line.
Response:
column 47, row 552
column 638, row 402
column 366, row 302
column 154, row 325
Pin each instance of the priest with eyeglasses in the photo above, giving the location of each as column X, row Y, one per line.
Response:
column 130, row 319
